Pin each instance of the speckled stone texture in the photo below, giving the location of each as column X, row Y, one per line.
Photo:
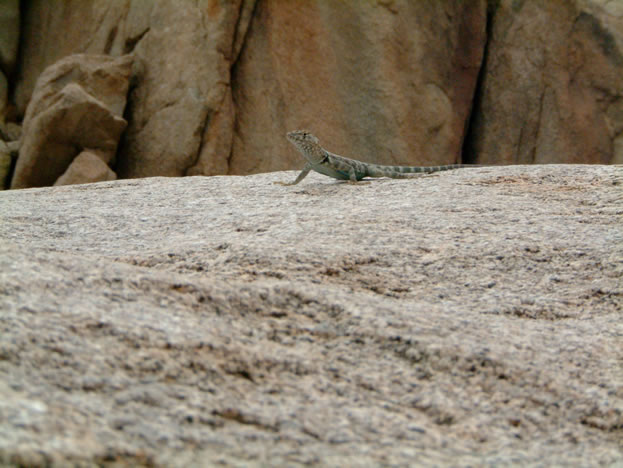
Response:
column 474, row 317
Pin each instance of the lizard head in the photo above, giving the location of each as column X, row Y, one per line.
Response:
column 302, row 137
column 308, row 145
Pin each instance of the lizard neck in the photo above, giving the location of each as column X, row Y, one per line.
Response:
column 313, row 152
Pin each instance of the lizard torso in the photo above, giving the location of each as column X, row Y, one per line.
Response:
column 339, row 167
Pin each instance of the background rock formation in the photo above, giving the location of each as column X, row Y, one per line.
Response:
column 390, row 82
column 473, row 318
column 86, row 168
column 180, row 109
column 552, row 84
column 219, row 83
column 362, row 76
column 76, row 105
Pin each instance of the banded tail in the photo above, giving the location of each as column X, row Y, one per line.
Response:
column 397, row 172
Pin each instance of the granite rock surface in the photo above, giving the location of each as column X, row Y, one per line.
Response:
column 468, row 318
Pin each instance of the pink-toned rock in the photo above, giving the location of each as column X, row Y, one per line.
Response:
column 86, row 168
column 78, row 103
column 551, row 84
column 53, row 31
column 220, row 83
column 56, row 135
column 391, row 82
column 180, row 107
column 104, row 78
column 385, row 82
column 182, row 113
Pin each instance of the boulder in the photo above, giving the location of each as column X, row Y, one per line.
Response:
column 86, row 168
column 182, row 114
column 551, row 84
column 10, row 131
column 53, row 31
column 104, row 78
column 55, row 136
column 181, row 101
column 473, row 318
column 77, row 104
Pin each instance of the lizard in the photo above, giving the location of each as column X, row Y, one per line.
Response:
column 341, row 168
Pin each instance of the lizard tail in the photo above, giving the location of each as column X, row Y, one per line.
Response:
column 396, row 172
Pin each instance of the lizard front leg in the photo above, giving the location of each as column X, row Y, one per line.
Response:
column 302, row 175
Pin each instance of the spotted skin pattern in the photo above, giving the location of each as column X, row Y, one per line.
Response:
column 341, row 168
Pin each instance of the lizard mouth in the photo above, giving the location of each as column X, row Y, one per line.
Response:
column 301, row 137
column 292, row 136
column 297, row 135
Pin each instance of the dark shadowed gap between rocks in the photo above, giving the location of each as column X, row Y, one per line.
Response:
column 468, row 152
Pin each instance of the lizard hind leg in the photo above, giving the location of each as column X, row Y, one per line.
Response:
column 354, row 177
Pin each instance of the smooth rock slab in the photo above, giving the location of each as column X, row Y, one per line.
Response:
column 468, row 318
